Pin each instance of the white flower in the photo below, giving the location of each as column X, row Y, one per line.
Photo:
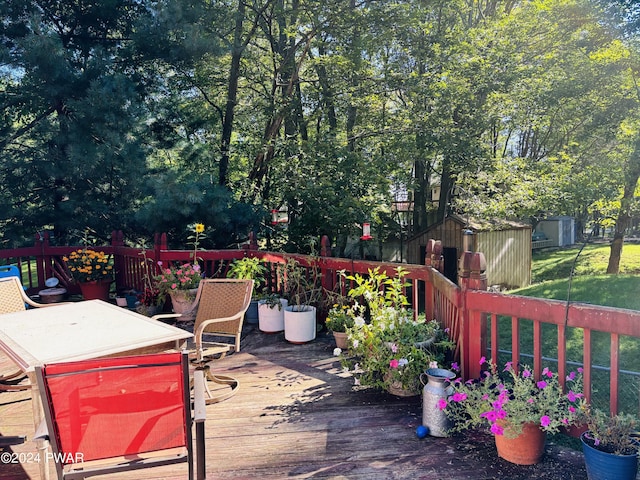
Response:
column 356, row 343
column 337, row 351
column 433, row 364
column 359, row 321
column 402, row 362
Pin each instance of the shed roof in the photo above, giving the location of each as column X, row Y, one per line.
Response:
column 479, row 225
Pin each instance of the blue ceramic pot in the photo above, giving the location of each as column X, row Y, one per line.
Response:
column 608, row 466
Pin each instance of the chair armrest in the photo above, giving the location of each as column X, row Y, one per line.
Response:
column 33, row 304
column 205, row 323
column 166, row 315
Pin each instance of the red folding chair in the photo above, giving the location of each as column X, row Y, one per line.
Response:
column 116, row 414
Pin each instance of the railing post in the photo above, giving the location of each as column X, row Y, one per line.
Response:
column 429, row 290
column 253, row 242
column 42, row 243
column 433, row 257
column 159, row 244
column 471, row 276
column 325, row 246
column 327, row 280
column 117, row 240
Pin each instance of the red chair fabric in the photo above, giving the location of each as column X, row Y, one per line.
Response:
column 114, row 407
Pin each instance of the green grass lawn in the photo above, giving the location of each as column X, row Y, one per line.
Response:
column 590, row 284
column 593, row 260
column 550, row 272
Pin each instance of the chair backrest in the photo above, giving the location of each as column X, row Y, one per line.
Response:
column 136, row 407
column 9, row 271
column 223, row 298
column 12, row 298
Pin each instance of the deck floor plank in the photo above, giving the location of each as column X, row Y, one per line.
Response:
column 297, row 416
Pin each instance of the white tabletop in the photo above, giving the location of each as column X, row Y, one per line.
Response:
column 81, row 330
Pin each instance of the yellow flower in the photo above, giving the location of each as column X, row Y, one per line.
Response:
column 199, row 227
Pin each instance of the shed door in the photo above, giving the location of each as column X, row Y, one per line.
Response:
column 450, row 255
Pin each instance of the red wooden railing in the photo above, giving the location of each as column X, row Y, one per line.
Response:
column 476, row 319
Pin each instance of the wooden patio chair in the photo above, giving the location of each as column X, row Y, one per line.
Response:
column 14, row 299
column 221, row 305
column 119, row 413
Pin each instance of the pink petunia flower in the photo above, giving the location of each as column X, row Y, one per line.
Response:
column 497, row 429
column 459, row 396
column 572, row 396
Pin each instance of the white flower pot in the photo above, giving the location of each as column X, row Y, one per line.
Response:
column 271, row 318
column 299, row 324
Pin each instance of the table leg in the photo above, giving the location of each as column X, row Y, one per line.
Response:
column 42, row 444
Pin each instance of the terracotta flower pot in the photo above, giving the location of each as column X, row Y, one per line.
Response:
column 341, row 340
column 96, row 290
column 525, row 449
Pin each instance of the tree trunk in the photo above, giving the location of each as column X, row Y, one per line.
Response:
column 632, row 173
column 327, row 94
column 232, row 95
column 355, row 55
column 445, row 186
column 422, row 170
column 288, row 70
column 622, row 223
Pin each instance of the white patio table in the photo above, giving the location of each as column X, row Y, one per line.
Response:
column 79, row 331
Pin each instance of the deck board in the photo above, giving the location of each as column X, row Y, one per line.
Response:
column 297, row 416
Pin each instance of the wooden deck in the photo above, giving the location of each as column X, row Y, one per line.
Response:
column 297, row 416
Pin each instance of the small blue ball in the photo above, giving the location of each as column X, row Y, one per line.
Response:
column 422, row 431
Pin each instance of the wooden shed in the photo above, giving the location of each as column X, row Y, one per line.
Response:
column 506, row 246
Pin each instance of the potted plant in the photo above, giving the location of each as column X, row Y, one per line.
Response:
column 151, row 299
column 339, row 320
column 610, row 445
column 389, row 347
column 93, row 272
column 518, row 409
column 249, row 268
column 303, row 291
column 271, row 313
column 181, row 281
